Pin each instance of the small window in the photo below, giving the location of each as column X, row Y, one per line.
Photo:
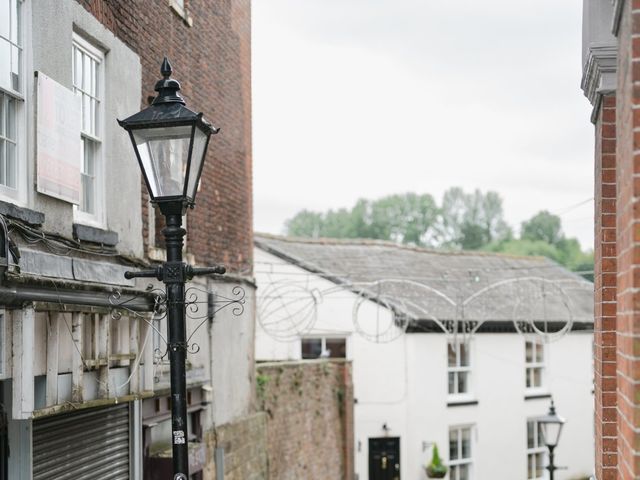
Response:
column 459, row 367
column 534, row 361
column 536, row 452
column 87, row 84
column 323, row 347
column 460, row 453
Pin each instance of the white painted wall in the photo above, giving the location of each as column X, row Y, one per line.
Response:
column 403, row 384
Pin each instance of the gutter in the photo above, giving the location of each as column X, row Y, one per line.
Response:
column 17, row 295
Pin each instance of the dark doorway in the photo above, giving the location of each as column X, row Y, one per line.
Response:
column 384, row 458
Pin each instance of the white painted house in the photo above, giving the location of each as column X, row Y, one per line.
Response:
column 459, row 349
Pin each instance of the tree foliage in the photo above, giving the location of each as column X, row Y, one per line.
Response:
column 467, row 221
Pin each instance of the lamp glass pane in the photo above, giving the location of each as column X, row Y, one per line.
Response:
column 164, row 153
column 551, row 433
column 197, row 158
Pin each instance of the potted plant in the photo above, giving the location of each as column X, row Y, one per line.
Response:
column 436, row 469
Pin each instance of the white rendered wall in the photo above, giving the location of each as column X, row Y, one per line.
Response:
column 499, row 418
column 403, row 385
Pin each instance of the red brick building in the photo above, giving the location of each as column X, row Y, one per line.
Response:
column 611, row 81
column 209, row 44
column 84, row 385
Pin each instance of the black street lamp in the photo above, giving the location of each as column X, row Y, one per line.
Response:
column 171, row 142
column 551, row 426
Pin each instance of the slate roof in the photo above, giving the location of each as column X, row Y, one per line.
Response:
column 427, row 284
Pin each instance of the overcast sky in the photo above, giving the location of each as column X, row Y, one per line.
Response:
column 366, row 98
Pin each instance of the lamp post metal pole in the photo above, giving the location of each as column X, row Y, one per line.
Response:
column 174, row 279
column 551, row 467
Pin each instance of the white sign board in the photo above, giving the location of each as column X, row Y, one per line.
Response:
column 58, row 141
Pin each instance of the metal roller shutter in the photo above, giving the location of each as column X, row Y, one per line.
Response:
column 90, row 444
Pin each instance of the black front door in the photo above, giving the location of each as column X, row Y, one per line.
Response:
column 384, row 458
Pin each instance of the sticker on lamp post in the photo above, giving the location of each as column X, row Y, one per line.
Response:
column 178, row 437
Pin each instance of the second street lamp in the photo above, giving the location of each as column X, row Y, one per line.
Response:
column 551, row 426
column 170, row 142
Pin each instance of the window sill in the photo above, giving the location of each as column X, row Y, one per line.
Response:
column 24, row 214
column 536, row 395
column 468, row 402
column 90, row 234
column 181, row 12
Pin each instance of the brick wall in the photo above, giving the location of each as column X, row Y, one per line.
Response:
column 212, row 60
column 309, row 406
column 244, row 443
column 605, row 290
column 628, row 243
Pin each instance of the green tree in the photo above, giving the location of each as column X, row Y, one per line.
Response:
column 471, row 220
column 407, row 218
column 543, row 226
column 305, row 224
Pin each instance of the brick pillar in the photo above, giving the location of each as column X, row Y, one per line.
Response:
column 347, row 420
column 628, row 244
column 605, row 291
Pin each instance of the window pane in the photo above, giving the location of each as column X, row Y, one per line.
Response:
column 539, row 353
column 5, row 64
column 529, row 352
column 463, row 382
column 528, row 377
column 531, row 467
column 530, row 439
column 11, row 128
column 451, row 354
column 77, row 74
column 539, row 464
column 337, row 347
column 3, row 101
column 311, row 348
column 464, row 355
column 12, row 159
column 463, row 472
column 3, row 162
column 88, row 201
column 86, row 70
column 539, row 437
column 92, row 116
column 537, row 377
column 86, row 114
column 466, row 443
column 452, row 383
column 5, row 17
column 453, row 444
column 15, row 23
column 15, row 68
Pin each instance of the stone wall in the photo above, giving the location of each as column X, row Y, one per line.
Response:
column 309, row 405
column 244, row 443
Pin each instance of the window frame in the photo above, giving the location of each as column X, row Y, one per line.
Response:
column 533, row 365
column 18, row 195
column 97, row 219
column 538, row 448
column 323, row 344
column 468, row 461
column 459, row 368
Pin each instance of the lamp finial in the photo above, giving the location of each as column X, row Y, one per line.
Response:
column 165, row 68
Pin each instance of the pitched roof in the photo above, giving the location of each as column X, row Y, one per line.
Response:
column 434, row 285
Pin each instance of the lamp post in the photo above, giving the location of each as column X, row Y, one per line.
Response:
column 551, row 426
column 170, row 142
